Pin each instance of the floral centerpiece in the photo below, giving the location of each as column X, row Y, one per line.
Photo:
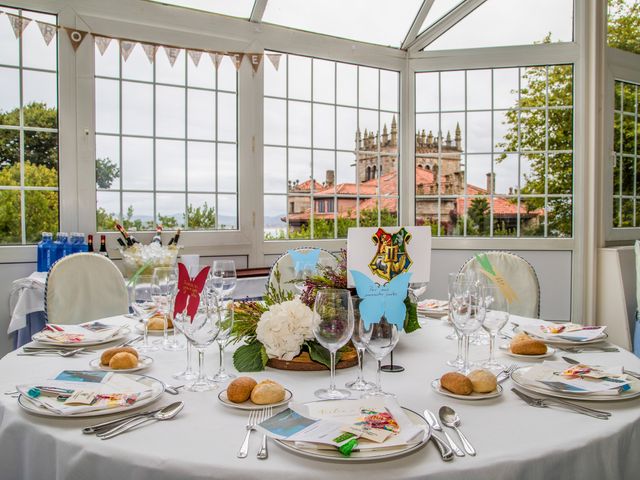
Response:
column 280, row 327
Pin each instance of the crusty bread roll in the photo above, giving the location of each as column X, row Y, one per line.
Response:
column 267, row 392
column 240, row 389
column 106, row 356
column 456, row 383
column 157, row 323
column 123, row 360
column 483, row 381
column 523, row 344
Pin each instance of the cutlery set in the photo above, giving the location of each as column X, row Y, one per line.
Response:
column 450, row 419
column 546, row 402
column 60, row 351
column 255, row 417
column 113, row 428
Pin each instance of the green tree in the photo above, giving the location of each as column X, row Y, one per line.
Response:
column 478, row 219
column 201, row 218
column 624, row 25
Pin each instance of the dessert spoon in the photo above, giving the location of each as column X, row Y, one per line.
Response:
column 167, row 413
column 450, row 418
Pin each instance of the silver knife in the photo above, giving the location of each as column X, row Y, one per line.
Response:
column 573, row 361
column 432, row 420
column 543, row 403
column 112, row 423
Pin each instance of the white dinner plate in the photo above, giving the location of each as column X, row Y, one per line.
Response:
column 41, row 338
column 333, row 454
column 143, row 362
column 249, row 405
column 517, row 377
column 564, row 341
column 507, row 351
column 139, row 328
column 472, row 397
column 156, row 385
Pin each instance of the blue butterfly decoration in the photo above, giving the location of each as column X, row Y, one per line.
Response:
column 303, row 258
column 378, row 300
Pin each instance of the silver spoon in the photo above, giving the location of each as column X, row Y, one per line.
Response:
column 450, row 419
column 433, row 422
column 167, row 413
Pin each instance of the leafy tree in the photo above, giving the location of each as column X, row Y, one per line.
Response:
column 201, row 218
column 479, row 215
column 106, row 172
column 624, row 25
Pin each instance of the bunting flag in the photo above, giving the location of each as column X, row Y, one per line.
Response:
column 150, row 50
column 102, row 43
column 172, row 53
column 236, row 58
column 126, row 47
column 195, row 55
column 48, row 31
column 76, row 37
column 256, row 59
column 274, row 58
column 216, row 58
column 18, row 23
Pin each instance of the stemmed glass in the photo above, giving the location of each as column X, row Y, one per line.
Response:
column 163, row 288
column 142, row 305
column 496, row 317
column 418, row 290
column 224, row 314
column 201, row 330
column 359, row 383
column 457, row 362
column 302, row 271
column 332, row 328
column 380, row 338
column 467, row 309
column 223, row 278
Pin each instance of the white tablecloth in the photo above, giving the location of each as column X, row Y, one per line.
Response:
column 513, row 440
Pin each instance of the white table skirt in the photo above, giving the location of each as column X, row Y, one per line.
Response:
column 513, row 440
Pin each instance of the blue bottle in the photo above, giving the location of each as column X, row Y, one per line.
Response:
column 79, row 245
column 57, row 250
column 44, row 252
column 67, row 247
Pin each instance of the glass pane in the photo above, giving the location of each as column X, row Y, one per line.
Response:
column 201, row 114
column 9, row 44
column 346, row 212
column 427, row 92
column 107, row 210
column 346, row 171
column 227, row 125
column 201, row 171
column 227, row 212
column 368, row 126
column 560, row 173
column 41, row 153
column 170, row 165
column 203, row 75
column 275, row 213
column 137, row 163
column 532, row 217
column 324, row 172
column 40, row 88
column 622, row 31
column 560, row 85
column 521, row 23
column 532, row 173
column 369, row 21
column 275, row 81
column 505, row 217
column 10, row 228
column 347, row 124
column 275, row 170
column 438, row 9
column 629, row 133
column 299, row 217
column 533, row 87
column 299, row 170
column 108, row 65
column 9, row 157
column 478, row 174
column 171, row 210
column 227, row 76
column 138, row 211
column 628, row 176
column 478, row 134
column 427, row 214
column 323, row 126
column 300, row 124
column 451, row 222
column 9, row 96
column 505, row 175
column 560, row 217
column 505, row 87
column 532, row 130
column 137, row 66
column 201, row 212
column 479, row 89
column 137, row 109
column 275, row 117
column 505, row 130
column 347, row 93
column 41, row 214
column 107, row 162
column 227, row 168
column 107, row 106
column 452, row 86
column 560, row 129
column 369, row 212
column 170, row 112
column 368, row 87
column 165, row 73
column 324, row 78
column 299, row 77
column 237, row 8
column 626, row 213
column 389, row 90
column 35, row 51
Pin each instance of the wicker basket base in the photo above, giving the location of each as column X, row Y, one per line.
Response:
column 303, row 362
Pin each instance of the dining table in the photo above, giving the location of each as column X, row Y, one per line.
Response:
column 512, row 439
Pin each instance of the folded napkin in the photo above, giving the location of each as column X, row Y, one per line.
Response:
column 86, row 332
column 563, row 331
column 74, row 392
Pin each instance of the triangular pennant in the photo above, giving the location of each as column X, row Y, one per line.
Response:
column 150, row 51
column 76, row 37
column 274, row 58
column 102, row 43
column 48, row 31
column 256, row 59
column 216, row 58
column 195, row 55
column 126, row 47
column 236, row 58
column 18, row 23
column 172, row 54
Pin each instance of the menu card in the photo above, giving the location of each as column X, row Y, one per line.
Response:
column 564, row 331
column 95, row 331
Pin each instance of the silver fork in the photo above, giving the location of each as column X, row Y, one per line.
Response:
column 263, row 453
column 60, row 353
column 251, row 425
column 506, row 373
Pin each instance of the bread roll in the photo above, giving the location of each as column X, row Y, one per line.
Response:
column 523, row 344
column 106, row 356
column 267, row 392
column 240, row 389
column 456, row 383
column 123, row 360
column 157, row 323
column 483, row 381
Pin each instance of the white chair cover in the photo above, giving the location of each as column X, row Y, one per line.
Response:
column 285, row 266
column 84, row 287
column 520, row 275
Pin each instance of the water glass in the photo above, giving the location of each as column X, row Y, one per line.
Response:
column 359, row 383
column 223, row 312
column 496, row 317
column 332, row 328
column 379, row 338
column 467, row 311
column 302, row 271
column 457, row 362
column 223, row 278
column 163, row 288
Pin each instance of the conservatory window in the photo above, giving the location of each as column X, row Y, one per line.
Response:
column 438, row 9
column 28, row 126
column 166, row 140
column 624, row 25
column 494, row 151
column 326, row 124
column 235, row 8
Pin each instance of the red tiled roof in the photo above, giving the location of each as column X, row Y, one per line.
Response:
column 306, row 186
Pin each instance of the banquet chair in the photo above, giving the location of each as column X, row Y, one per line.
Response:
column 286, row 269
column 519, row 274
column 84, row 287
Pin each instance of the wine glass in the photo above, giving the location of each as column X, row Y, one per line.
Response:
column 224, row 312
column 380, row 338
column 332, row 328
column 417, row 291
column 163, row 288
column 359, row 383
column 467, row 309
column 144, row 308
column 201, row 330
column 302, row 271
column 223, row 278
column 457, row 362
column 496, row 317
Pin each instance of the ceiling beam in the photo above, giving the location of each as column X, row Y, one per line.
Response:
column 417, row 23
column 444, row 24
column 258, row 11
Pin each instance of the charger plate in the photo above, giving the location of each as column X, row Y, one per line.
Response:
column 564, row 341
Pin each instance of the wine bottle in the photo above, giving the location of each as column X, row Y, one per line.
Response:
column 157, row 238
column 121, row 243
column 103, row 246
column 124, row 233
column 176, row 238
column 90, row 243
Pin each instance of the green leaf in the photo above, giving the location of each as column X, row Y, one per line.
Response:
column 250, row 358
column 411, row 323
column 320, row 354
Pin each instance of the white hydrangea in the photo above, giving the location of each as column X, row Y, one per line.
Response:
column 284, row 327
